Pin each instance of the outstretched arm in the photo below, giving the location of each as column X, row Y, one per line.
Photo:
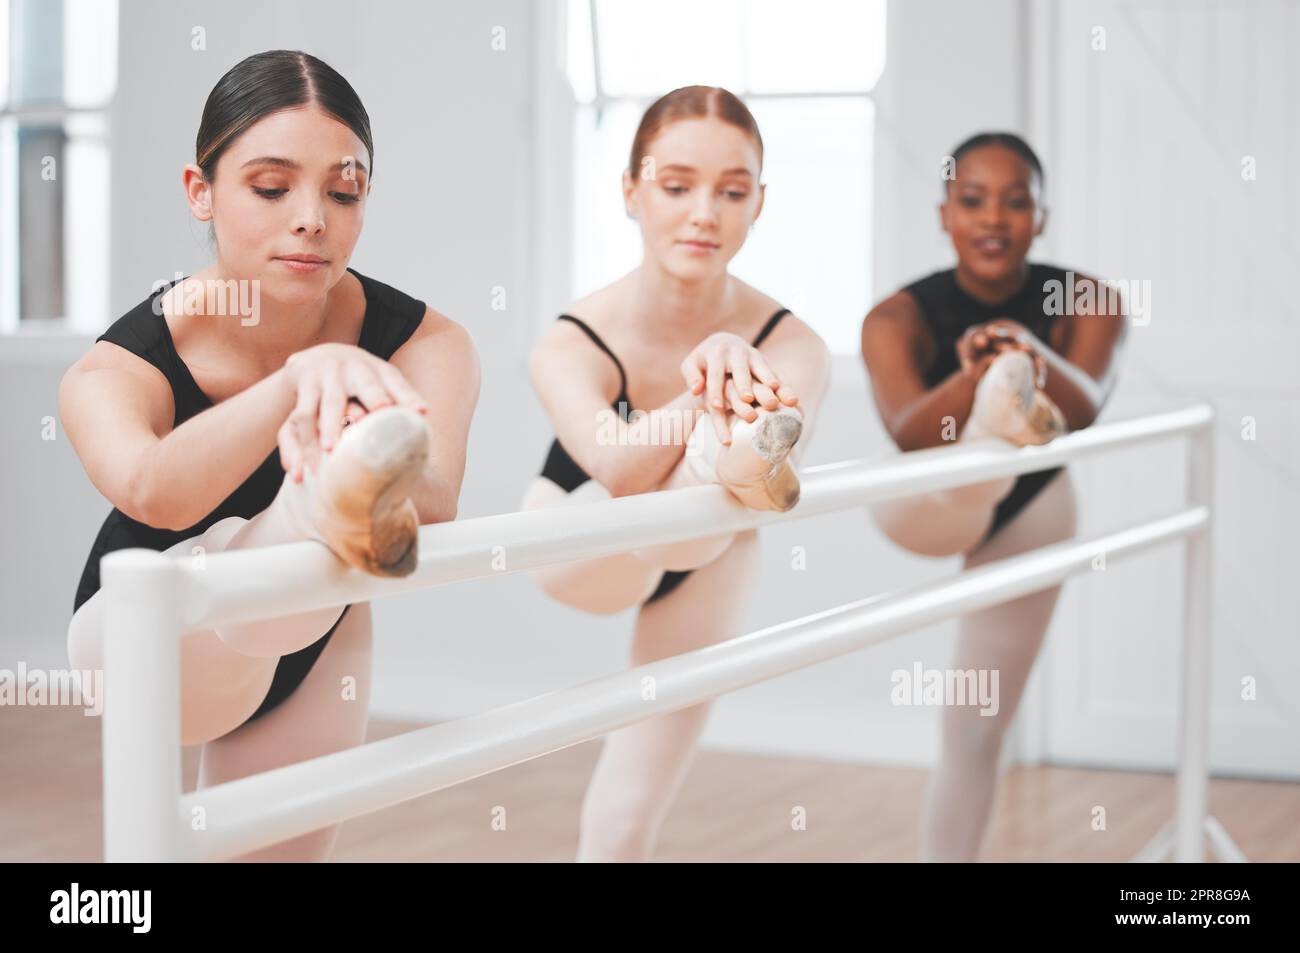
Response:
column 576, row 385
column 894, row 340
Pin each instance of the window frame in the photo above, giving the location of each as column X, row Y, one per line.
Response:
column 12, row 117
column 554, row 54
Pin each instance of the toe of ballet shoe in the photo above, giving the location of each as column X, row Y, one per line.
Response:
column 777, row 433
column 1008, row 381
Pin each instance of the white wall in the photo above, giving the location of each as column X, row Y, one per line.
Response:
column 458, row 208
column 1148, row 139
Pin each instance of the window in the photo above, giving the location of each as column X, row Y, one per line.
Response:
column 58, row 70
column 805, row 71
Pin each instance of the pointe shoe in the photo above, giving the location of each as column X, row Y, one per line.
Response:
column 756, row 468
column 361, row 506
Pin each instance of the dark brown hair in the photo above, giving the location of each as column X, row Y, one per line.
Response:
column 268, row 82
column 692, row 102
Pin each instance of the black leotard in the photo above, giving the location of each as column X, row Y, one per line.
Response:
column 391, row 317
column 561, row 469
column 949, row 311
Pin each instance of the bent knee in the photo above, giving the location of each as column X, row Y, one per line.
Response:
column 936, row 534
column 578, row 590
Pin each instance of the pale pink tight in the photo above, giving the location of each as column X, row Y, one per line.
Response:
column 1006, row 637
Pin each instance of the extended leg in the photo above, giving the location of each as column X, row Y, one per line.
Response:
column 601, row 586
column 756, row 467
column 357, row 504
column 952, row 521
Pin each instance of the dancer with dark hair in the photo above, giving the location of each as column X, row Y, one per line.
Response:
column 338, row 412
column 977, row 352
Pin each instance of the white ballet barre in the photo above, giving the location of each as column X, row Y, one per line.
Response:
column 151, row 599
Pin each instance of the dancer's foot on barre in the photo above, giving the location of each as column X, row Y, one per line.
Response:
column 1008, row 405
column 357, row 501
column 755, row 467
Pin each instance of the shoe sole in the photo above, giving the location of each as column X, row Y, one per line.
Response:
column 392, row 448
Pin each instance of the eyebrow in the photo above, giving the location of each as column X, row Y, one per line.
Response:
column 290, row 164
column 676, row 167
column 967, row 183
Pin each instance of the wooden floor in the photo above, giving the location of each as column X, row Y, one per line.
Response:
column 732, row 807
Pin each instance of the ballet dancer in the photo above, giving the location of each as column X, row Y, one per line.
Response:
column 974, row 352
column 742, row 375
column 175, row 408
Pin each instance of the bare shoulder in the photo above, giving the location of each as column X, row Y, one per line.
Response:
column 123, row 370
column 599, row 308
column 563, row 352
column 899, row 310
column 437, row 327
column 110, row 387
column 599, row 311
column 795, row 336
column 896, row 323
column 439, row 348
column 790, row 333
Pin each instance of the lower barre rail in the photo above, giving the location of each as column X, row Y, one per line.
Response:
column 253, row 812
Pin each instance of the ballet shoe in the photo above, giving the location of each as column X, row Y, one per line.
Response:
column 361, row 506
column 1004, row 396
column 1046, row 422
column 1009, row 406
column 756, row 468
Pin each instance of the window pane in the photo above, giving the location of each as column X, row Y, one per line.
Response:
column 752, row 46
column 61, row 53
column 645, row 51
column 86, row 222
column 825, row 46
column 811, row 248
column 4, row 53
column 606, row 242
column 36, row 51
column 581, row 67
column 89, row 52
column 56, row 247
column 40, row 221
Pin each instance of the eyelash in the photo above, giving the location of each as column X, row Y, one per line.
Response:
column 679, row 189
column 341, row 197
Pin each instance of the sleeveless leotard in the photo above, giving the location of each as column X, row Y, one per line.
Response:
column 949, row 311
column 391, row 317
column 561, row 469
